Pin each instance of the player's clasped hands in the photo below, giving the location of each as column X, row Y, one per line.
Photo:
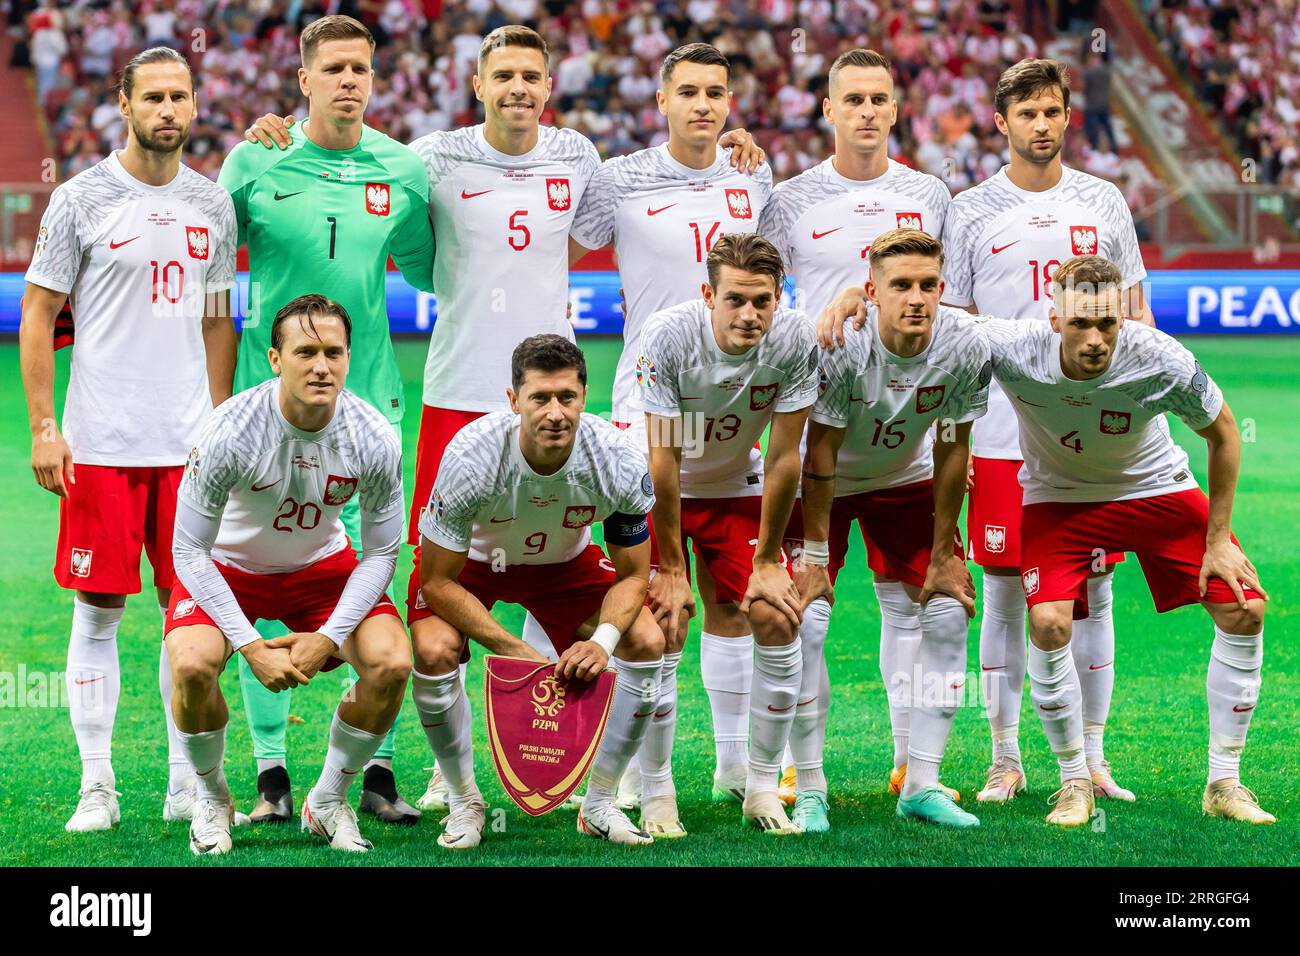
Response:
column 273, row 666
column 52, row 464
column 307, row 650
column 769, row 582
column 948, row 574
column 584, row 660
column 1224, row 560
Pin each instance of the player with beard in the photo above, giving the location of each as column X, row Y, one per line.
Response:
column 144, row 248
column 1003, row 240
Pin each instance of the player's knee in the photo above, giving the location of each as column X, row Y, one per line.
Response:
column 1238, row 620
column 391, row 673
column 770, row 623
column 193, row 674
column 643, row 641
column 437, row 647
column 1050, row 628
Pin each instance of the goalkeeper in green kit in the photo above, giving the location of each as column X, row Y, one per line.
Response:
column 323, row 216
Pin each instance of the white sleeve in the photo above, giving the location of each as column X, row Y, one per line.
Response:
column 380, row 540
column 56, row 261
column 593, row 223
column 193, row 535
column 221, row 272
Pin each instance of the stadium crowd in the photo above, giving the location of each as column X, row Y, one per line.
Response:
column 605, row 55
column 1243, row 59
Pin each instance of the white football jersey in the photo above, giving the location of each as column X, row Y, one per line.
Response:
column 501, row 269
column 137, row 261
column 887, row 403
column 1002, row 244
column 725, row 401
column 824, row 224
column 488, row 501
column 1105, row 439
column 279, row 490
column 663, row 219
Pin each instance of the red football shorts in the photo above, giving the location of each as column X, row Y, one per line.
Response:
column 562, row 596
column 723, row 534
column 1166, row 532
column 993, row 514
column 897, row 526
column 110, row 513
column 437, row 427
column 302, row 600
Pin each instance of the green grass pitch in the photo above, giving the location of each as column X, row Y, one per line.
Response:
column 1156, row 737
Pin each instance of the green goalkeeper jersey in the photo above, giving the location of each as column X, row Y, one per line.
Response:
column 326, row 221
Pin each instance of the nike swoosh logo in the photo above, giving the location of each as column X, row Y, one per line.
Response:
column 665, row 713
column 91, row 681
column 1238, row 709
column 779, row 710
column 423, row 724
column 822, row 235
column 1100, row 667
column 1057, row 707
column 690, row 398
column 1034, row 404
column 279, row 197
column 996, row 667
column 997, row 249
column 264, row 487
column 655, row 212
column 481, row 192
column 119, row 245
column 805, row 703
column 595, row 829
column 634, row 716
column 501, row 520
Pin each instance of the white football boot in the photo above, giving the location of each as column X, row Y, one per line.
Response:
column 435, row 797
column 463, row 827
column 605, row 821
column 336, row 823
column 96, row 809
column 210, row 826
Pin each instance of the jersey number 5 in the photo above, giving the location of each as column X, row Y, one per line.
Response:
column 516, row 226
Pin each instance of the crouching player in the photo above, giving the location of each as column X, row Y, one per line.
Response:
column 509, row 520
column 869, row 459
column 1101, row 475
column 713, row 373
column 258, row 536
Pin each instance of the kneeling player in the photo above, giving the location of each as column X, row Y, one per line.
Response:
column 869, row 450
column 713, row 373
column 1102, row 475
column 509, row 520
column 258, row 535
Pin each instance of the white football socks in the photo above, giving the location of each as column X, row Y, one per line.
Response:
column 636, row 691
column 777, row 674
column 350, row 748
column 535, row 636
column 1002, row 660
column 808, row 730
column 1093, row 647
column 205, row 751
column 180, row 774
column 657, row 744
column 94, row 684
column 1232, row 687
column 942, row 668
column 443, row 707
column 727, row 671
column 1054, row 687
column 900, row 642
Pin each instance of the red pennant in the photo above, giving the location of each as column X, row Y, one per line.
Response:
column 544, row 731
